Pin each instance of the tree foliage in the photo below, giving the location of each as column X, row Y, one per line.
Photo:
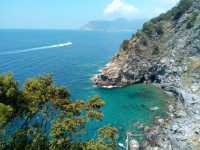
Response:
column 9, row 93
column 191, row 20
column 153, row 29
column 69, row 125
column 6, row 112
column 183, row 6
column 28, row 139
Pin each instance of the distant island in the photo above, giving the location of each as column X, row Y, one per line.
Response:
column 116, row 25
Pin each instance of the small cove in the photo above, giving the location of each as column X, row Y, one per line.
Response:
column 130, row 106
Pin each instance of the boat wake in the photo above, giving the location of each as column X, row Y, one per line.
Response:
column 36, row 48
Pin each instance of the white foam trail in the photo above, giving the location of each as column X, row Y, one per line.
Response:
column 36, row 48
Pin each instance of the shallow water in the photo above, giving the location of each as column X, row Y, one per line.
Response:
column 73, row 67
column 131, row 105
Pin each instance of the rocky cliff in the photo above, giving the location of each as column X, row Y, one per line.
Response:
column 167, row 52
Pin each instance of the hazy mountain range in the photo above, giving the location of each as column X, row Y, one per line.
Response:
column 114, row 25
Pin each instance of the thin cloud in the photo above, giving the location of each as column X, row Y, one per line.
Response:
column 119, row 8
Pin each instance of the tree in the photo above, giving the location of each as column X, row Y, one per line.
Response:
column 71, row 121
column 8, row 90
column 107, row 135
column 6, row 112
column 31, row 138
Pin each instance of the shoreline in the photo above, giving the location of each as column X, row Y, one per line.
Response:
column 184, row 127
column 158, row 121
column 180, row 126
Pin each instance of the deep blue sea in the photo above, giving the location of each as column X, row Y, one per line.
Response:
column 27, row 53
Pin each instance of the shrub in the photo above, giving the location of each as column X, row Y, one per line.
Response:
column 125, row 44
column 148, row 28
column 191, row 20
column 8, row 89
column 6, row 112
column 183, row 6
column 156, row 50
column 153, row 28
column 176, row 12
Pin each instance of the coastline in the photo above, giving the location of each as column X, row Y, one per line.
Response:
column 181, row 130
column 173, row 131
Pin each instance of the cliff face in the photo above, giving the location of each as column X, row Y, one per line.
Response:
column 167, row 52
column 164, row 46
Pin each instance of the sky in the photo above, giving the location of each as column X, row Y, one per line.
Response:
column 72, row 14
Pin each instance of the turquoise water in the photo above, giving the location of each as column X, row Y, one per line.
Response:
column 125, row 107
column 27, row 53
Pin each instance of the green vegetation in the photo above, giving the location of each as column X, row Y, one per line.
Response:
column 153, row 28
column 156, row 50
column 27, row 139
column 72, row 117
column 155, row 25
column 6, row 112
column 148, row 28
column 191, row 20
column 183, row 6
column 176, row 12
column 9, row 93
column 125, row 44
column 143, row 39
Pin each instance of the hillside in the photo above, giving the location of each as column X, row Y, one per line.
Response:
column 116, row 25
column 167, row 52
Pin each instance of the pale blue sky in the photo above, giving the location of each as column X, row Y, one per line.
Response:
column 63, row 14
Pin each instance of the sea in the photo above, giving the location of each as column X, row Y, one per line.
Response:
column 73, row 58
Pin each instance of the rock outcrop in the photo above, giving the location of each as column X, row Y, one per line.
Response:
column 166, row 51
